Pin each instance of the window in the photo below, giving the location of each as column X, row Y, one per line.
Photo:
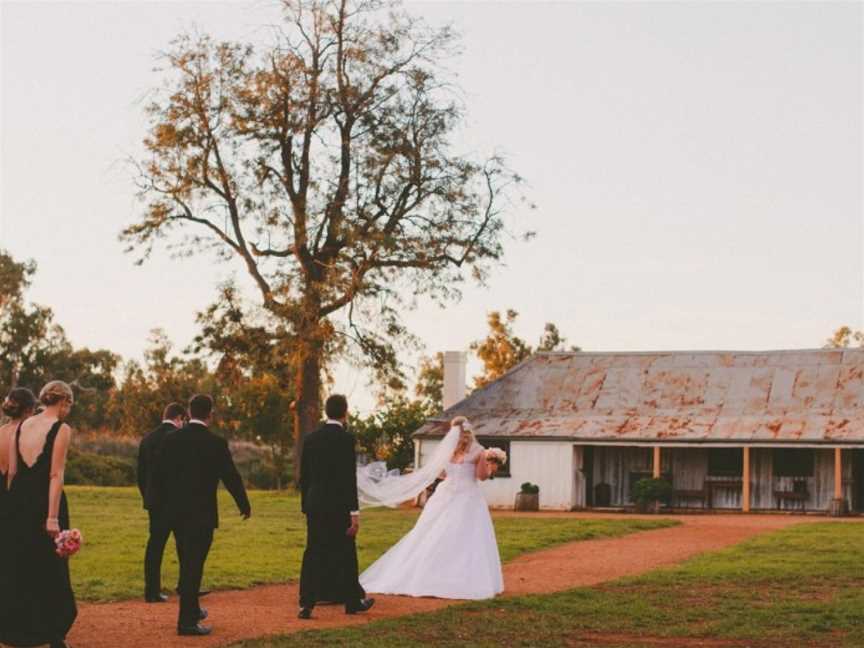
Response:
column 793, row 462
column 487, row 442
column 725, row 462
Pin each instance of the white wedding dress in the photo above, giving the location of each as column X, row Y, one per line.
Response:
column 451, row 552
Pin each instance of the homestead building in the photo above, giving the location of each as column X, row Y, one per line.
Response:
column 730, row 430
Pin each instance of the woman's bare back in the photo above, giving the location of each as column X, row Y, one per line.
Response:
column 34, row 433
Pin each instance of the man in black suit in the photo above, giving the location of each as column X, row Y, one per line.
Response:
column 192, row 463
column 172, row 419
column 328, row 487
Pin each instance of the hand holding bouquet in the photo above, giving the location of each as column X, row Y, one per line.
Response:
column 497, row 457
column 68, row 542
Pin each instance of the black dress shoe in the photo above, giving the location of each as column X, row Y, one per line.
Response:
column 362, row 606
column 159, row 598
column 202, row 614
column 305, row 613
column 196, row 630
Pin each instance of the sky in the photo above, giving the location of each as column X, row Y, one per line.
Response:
column 697, row 169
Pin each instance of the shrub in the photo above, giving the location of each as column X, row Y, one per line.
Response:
column 529, row 489
column 89, row 469
column 649, row 490
column 260, row 474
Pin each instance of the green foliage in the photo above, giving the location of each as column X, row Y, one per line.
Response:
column 88, row 469
column 342, row 193
column 529, row 489
column 262, row 412
column 252, row 461
column 648, row 490
column 430, row 382
column 501, row 349
column 386, row 434
column 115, row 532
column 136, row 406
column 797, row 587
column 36, row 350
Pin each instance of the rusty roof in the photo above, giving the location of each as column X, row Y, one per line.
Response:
column 727, row 397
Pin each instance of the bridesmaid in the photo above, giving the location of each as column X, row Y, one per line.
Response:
column 17, row 406
column 41, row 609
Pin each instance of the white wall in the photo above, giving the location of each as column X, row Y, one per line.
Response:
column 549, row 464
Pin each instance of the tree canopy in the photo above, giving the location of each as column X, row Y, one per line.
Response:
column 325, row 165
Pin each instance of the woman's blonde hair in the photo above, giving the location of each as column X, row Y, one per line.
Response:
column 464, row 426
column 55, row 392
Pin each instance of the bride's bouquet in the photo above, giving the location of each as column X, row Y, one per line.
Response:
column 496, row 456
column 68, row 542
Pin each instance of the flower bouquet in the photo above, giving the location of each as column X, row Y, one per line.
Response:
column 497, row 457
column 68, row 542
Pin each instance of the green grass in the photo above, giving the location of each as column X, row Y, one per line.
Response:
column 268, row 547
column 801, row 586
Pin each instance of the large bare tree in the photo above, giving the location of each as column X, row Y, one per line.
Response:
column 325, row 164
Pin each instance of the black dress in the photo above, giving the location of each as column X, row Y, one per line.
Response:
column 4, row 553
column 37, row 600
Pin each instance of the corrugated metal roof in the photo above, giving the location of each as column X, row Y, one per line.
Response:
column 805, row 396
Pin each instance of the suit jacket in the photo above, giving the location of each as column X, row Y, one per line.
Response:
column 148, row 450
column 328, row 471
column 190, row 466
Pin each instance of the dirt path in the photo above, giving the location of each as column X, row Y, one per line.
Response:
column 267, row 610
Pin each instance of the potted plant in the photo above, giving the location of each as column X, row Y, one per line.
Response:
column 528, row 497
column 650, row 493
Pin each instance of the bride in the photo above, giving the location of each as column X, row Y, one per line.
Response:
column 451, row 552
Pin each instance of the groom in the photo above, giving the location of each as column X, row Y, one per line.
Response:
column 328, row 487
column 192, row 463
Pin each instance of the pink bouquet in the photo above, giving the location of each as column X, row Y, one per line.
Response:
column 68, row 542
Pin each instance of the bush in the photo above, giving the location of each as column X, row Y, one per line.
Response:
column 100, row 459
column 529, row 489
column 88, row 469
column 259, row 474
column 108, row 445
column 649, row 490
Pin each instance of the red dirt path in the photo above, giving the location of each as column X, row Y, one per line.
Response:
column 268, row 610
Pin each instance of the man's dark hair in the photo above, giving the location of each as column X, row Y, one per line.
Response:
column 173, row 411
column 200, row 406
column 336, row 407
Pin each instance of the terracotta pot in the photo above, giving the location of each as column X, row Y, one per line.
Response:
column 527, row 502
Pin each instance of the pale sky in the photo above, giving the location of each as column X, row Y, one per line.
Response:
column 697, row 169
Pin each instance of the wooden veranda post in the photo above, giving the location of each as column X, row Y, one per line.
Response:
column 745, row 485
column 838, row 473
column 838, row 504
column 656, row 462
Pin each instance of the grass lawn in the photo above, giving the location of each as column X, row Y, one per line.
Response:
column 801, row 586
column 267, row 548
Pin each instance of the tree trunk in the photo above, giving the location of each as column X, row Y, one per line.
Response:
column 307, row 410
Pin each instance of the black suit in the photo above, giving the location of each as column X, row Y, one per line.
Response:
column 328, row 487
column 160, row 528
column 191, row 464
